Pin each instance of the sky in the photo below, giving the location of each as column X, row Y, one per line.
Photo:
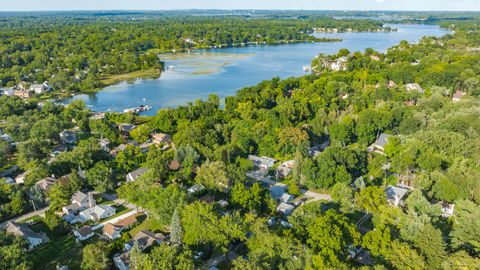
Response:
column 431, row 5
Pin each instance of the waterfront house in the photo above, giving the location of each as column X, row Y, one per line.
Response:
column 83, row 233
column 80, row 201
column 97, row 212
column 34, row 239
column 126, row 128
column 134, row 175
column 395, row 195
column 379, row 145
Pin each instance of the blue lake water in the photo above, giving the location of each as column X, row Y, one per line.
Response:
column 224, row 71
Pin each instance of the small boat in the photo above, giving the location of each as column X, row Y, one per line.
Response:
column 144, row 99
column 306, row 68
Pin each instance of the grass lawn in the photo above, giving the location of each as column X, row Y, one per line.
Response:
column 146, row 224
column 61, row 249
column 113, row 79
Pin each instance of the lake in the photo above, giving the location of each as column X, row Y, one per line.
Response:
column 224, row 71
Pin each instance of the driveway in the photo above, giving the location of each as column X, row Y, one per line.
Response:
column 113, row 220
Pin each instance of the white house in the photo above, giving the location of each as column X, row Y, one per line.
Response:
column 22, row 230
column 285, row 169
column 20, row 179
column 145, row 239
column 80, row 201
column 84, row 233
column 98, row 212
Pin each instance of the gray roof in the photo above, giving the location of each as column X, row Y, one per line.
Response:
column 138, row 172
column 382, row 140
column 394, row 192
column 79, row 197
column 258, row 161
column 22, row 230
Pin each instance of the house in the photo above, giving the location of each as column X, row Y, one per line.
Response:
column 118, row 149
column 195, row 189
column 23, row 93
column 96, row 213
column 122, row 260
column 80, row 201
column 391, row 84
column 8, row 91
column 133, row 176
column 161, row 138
column 126, row 128
column 38, row 88
column 286, row 197
column 8, row 180
column 262, row 162
column 285, row 169
column 45, row 184
column 395, row 195
column 127, row 222
column 285, row 209
column 34, row 239
column 447, row 209
column 68, row 137
column 112, row 231
column 375, row 57
column 104, row 144
column 145, row 239
column 174, row 165
column 414, row 87
column 277, row 191
column 379, row 145
column 317, row 149
column 84, row 233
column 20, row 179
column 457, row 96
column 222, row 203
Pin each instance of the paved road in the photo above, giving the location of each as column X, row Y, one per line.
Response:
column 25, row 216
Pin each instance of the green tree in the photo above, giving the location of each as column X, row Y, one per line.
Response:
column 95, row 256
column 370, row 198
column 213, row 176
column 176, row 231
column 466, row 228
column 12, row 252
column 101, row 176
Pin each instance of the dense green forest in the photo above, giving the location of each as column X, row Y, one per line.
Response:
column 434, row 143
column 75, row 52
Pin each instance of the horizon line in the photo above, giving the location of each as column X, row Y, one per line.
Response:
column 243, row 9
